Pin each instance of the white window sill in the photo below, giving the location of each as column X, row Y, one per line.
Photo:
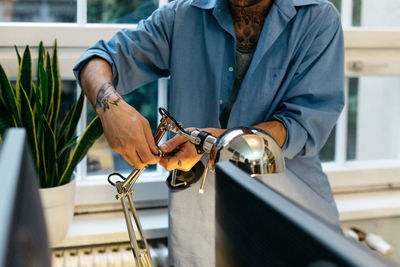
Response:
column 110, row 227
column 368, row 205
column 357, row 176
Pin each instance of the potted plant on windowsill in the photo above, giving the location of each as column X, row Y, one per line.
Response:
column 55, row 148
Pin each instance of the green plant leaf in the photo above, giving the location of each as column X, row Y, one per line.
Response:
column 43, row 173
column 38, row 113
column 76, row 116
column 40, row 56
column 40, row 61
column 57, row 86
column 38, row 93
column 68, row 128
column 50, row 153
column 43, row 88
column 64, row 154
column 69, row 123
column 50, row 89
column 39, row 118
column 28, row 122
column 92, row 133
column 63, row 161
column 69, row 144
column 25, row 74
column 5, row 119
column 18, row 55
column 9, row 98
column 35, row 106
column 62, row 130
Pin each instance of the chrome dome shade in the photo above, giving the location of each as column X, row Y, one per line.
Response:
column 251, row 149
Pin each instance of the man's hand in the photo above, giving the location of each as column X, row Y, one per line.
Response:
column 127, row 131
column 186, row 156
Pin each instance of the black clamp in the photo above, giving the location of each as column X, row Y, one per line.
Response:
column 182, row 179
column 200, row 147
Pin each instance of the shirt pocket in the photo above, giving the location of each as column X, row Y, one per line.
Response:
column 260, row 97
column 272, row 82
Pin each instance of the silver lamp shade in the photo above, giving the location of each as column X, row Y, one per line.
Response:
column 251, row 149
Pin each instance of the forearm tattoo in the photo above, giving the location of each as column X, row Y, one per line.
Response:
column 103, row 100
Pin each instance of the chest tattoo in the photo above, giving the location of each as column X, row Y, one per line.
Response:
column 248, row 25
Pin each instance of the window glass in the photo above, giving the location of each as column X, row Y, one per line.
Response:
column 384, row 13
column 373, row 123
column 120, row 11
column 101, row 158
column 38, row 11
column 336, row 3
column 327, row 153
column 352, row 118
column 372, row 120
column 356, row 13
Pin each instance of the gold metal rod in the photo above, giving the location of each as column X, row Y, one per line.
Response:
column 130, row 181
column 143, row 248
column 203, row 181
column 139, row 246
column 131, row 232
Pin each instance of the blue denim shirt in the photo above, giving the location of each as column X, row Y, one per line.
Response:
column 296, row 75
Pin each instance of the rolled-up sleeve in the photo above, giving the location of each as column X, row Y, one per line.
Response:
column 136, row 56
column 315, row 98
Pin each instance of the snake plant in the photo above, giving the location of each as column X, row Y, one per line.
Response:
column 35, row 106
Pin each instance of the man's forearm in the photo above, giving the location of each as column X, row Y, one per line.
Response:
column 274, row 128
column 93, row 78
column 127, row 131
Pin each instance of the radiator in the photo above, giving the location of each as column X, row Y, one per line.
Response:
column 119, row 255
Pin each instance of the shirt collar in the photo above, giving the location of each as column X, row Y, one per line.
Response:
column 304, row 2
column 287, row 6
column 204, row 4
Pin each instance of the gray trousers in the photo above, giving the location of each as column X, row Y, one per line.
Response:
column 192, row 216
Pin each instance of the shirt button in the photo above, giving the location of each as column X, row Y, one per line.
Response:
column 221, row 101
column 230, row 69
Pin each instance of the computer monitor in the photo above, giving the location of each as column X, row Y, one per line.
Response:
column 23, row 237
column 257, row 226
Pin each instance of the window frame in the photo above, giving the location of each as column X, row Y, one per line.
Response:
column 368, row 51
column 371, row 47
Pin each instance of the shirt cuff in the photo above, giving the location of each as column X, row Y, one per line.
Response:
column 296, row 136
column 87, row 56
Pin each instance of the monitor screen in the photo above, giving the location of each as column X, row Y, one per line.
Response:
column 23, row 237
column 257, row 226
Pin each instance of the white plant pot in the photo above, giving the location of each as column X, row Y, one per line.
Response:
column 58, row 206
